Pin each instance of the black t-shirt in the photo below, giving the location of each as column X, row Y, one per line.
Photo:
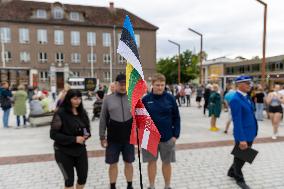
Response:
column 259, row 97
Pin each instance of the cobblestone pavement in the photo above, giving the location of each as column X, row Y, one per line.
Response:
column 198, row 168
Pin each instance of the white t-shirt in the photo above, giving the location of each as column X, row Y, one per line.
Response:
column 188, row 91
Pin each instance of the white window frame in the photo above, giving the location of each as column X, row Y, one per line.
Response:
column 74, row 16
column 41, row 13
column 42, row 57
column 24, row 35
column 76, row 58
column 137, row 39
column 7, row 56
column 106, row 76
column 91, row 38
column 25, row 57
column 106, row 58
column 75, row 38
column 121, row 60
column 42, row 36
column 43, row 76
column 59, row 57
column 106, row 39
column 58, row 13
column 58, row 37
column 5, row 35
column 94, row 57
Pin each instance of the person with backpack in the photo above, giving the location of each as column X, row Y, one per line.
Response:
column 6, row 102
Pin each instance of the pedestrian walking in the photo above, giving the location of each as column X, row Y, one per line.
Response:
column 164, row 111
column 6, row 103
column 20, row 107
column 206, row 97
column 259, row 103
column 245, row 126
column 274, row 100
column 117, row 120
column 70, row 128
column 227, row 99
column 199, row 94
column 215, row 106
column 188, row 93
column 53, row 93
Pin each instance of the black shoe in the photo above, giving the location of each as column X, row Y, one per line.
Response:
column 242, row 185
column 231, row 174
column 130, row 187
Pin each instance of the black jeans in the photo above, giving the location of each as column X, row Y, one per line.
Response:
column 236, row 168
column 67, row 163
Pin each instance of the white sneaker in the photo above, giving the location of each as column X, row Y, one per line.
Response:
column 274, row 137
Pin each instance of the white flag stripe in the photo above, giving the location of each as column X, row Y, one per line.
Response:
column 145, row 139
column 127, row 53
column 141, row 111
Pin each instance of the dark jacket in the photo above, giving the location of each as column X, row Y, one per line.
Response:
column 65, row 127
column 5, row 99
column 165, row 114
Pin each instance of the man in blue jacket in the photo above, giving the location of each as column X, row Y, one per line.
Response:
column 245, row 126
column 164, row 111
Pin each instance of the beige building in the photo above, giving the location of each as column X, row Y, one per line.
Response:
column 44, row 44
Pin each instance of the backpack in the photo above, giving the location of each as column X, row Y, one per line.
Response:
column 5, row 102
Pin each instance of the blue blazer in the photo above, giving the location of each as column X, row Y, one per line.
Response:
column 245, row 124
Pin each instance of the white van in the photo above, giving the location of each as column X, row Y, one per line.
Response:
column 77, row 83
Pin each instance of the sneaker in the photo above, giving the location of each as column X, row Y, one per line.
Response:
column 214, row 129
column 274, row 137
column 226, row 132
column 151, row 187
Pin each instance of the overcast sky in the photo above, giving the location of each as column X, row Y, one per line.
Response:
column 230, row 27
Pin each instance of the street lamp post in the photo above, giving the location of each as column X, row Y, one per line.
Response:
column 3, row 49
column 263, row 65
column 178, row 45
column 200, row 54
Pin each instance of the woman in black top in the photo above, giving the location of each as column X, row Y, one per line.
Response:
column 259, row 103
column 70, row 128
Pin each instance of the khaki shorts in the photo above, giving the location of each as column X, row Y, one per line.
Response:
column 167, row 152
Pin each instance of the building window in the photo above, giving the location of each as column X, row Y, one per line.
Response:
column 106, row 58
column 25, row 57
column 7, row 56
column 58, row 37
column 42, row 36
column 75, row 16
column 40, row 13
column 137, row 39
column 24, row 36
column 91, row 38
column 76, row 74
column 75, row 38
column 42, row 57
column 106, row 76
column 121, row 60
column 106, row 40
column 90, row 58
column 58, row 13
column 59, row 57
column 5, row 35
column 75, row 57
column 43, row 76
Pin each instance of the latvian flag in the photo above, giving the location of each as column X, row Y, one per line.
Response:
column 148, row 134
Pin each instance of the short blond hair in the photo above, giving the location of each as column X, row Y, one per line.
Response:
column 158, row 77
column 215, row 87
column 21, row 87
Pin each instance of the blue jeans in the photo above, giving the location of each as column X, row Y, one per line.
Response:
column 18, row 120
column 6, row 114
column 259, row 111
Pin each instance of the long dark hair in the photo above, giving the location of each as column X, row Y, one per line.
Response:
column 67, row 105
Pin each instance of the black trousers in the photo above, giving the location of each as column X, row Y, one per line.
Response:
column 67, row 163
column 236, row 168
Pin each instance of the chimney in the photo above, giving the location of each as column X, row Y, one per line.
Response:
column 111, row 6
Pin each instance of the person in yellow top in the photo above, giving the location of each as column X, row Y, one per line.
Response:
column 45, row 101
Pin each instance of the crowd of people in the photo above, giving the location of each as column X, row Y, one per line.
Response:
column 70, row 126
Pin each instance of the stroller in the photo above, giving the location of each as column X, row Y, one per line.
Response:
column 98, row 105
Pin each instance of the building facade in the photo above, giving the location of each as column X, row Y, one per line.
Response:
column 44, row 44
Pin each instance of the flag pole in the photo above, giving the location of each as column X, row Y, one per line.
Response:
column 139, row 158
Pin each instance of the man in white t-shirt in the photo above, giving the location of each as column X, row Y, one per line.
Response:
column 188, row 93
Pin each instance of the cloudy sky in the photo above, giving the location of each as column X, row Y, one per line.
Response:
column 230, row 27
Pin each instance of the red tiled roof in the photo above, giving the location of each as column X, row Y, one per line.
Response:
column 22, row 11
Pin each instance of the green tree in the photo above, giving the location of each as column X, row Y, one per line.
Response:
column 188, row 63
